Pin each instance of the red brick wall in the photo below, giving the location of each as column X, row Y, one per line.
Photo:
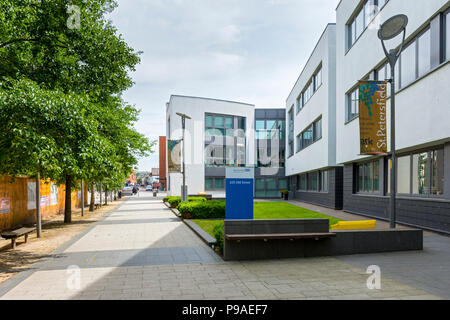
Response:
column 162, row 161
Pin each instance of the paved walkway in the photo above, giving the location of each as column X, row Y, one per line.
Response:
column 142, row 251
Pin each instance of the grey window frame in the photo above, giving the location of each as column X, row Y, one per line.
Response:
column 214, row 188
column 357, row 189
column 349, row 104
column 411, row 154
column 235, row 126
column 351, row 35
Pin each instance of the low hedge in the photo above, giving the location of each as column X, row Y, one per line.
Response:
column 213, row 209
column 218, row 234
column 174, row 201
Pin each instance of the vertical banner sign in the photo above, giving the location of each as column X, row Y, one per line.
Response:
column 174, row 156
column 372, row 117
column 239, row 193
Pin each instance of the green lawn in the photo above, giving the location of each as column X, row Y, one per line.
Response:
column 272, row 210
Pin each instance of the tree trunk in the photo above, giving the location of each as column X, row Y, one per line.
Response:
column 92, row 204
column 68, row 202
column 115, row 195
column 106, row 196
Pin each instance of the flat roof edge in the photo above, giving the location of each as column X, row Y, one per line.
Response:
column 204, row 98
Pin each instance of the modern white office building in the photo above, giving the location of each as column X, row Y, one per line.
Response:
column 311, row 124
column 422, row 110
column 226, row 133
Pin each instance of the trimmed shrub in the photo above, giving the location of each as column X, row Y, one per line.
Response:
column 175, row 201
column 212, row 209
column 218, row 234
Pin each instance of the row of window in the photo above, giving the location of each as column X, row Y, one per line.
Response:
column 421, row 174
column 313, row 181
column 414, row 63
column 269, row 187
column 291, row 132
column 417, row 174
column 309, row 135
column 267, row 129
column 214, row 183
column 313, row 85
column 225, row 155
column 362, row 19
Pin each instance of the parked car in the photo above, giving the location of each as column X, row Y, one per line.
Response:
column 127, row 191
column 149, row 188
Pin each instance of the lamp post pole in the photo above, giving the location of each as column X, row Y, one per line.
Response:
column 184, row 196
column 389, row 30
column 183, row 123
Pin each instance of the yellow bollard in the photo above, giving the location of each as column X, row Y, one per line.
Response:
column 354, row 225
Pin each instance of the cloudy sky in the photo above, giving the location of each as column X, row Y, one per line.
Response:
column 244, row 50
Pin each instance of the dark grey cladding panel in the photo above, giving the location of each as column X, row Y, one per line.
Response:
column 346, row 242
column 276, row 113
column 214, row 172
column 276, row 226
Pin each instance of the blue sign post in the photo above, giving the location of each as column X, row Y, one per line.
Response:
column 239, row 193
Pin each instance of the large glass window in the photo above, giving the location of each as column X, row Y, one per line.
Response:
column 313, row 181
column 209, row 121
column 362, row 19
column 318, row 129
column 218, row 121
column 299, row 143
column 323, row 181
column 219, row 183
column 368, row 177
column 404, row 174
column 318, row 79
column 437, row 172
column 353, row 104
column 282, row 184
column 421, row 174
column 447, row 35
column 303, row 182
column 408, row 65
column 359, row 28
column 208, row 184
column 307, row 137
column 424, row 55
column 291, row 131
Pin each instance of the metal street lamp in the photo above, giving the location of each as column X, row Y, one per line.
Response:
column 389, row 30
column 183, row 116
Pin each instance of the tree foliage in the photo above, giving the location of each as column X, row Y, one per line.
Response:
column 61, row 111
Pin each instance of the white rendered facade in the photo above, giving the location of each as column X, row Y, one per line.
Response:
column 197, row 108
column 320, row 154
column 421, row 105
column 422, row 110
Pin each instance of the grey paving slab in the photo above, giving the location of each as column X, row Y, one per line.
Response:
column 428, row 269
column 140, row 251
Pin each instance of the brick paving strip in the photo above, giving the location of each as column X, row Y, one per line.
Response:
column 142, row 251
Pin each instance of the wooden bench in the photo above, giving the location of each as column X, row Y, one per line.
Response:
column 14, row 234
column 280, row 236
column 97, row 205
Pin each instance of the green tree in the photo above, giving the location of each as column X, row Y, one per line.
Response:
column 85, row 131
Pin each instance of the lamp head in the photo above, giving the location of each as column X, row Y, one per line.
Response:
column 393, row 27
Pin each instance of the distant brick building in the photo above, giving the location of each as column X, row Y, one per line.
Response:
column 162, row 162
